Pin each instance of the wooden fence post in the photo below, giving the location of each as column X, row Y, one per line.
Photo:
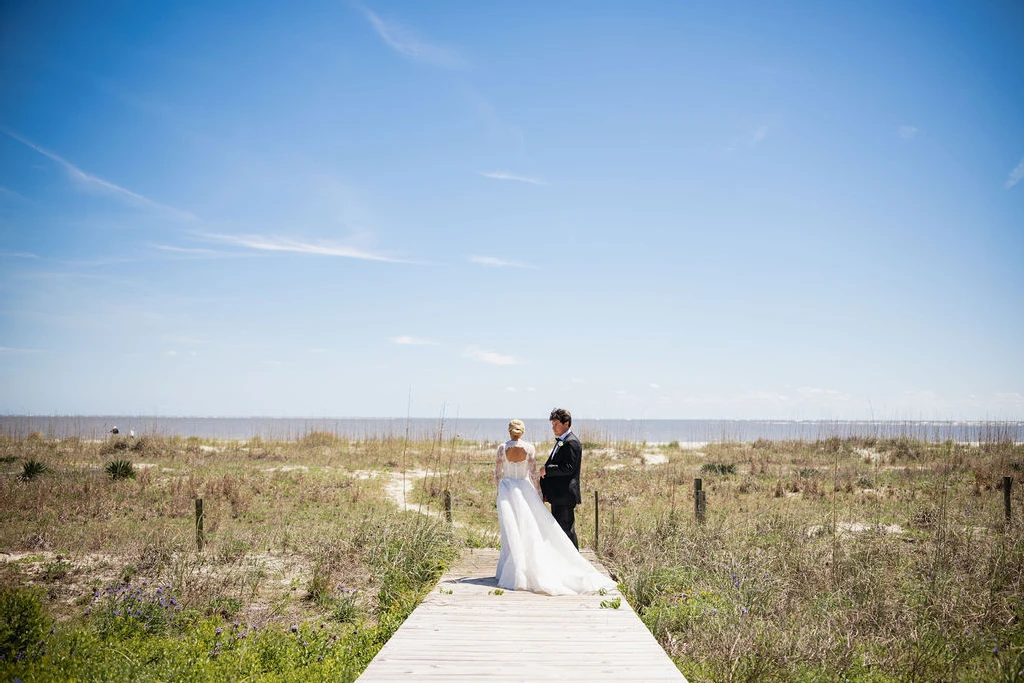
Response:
column 200, row 540
column 448, row 505
column 1007, row 483
column 699, row 501
column 597, row 522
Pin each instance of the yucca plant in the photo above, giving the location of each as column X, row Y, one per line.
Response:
column 31, row 469
column 718, row 468
column 120, row 469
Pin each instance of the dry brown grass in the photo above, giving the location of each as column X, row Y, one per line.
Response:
column 858, row 559
column 284, row 521
column 854, row 559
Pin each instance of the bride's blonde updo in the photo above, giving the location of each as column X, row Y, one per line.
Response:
column 516, row 429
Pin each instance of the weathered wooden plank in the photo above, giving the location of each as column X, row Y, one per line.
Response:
column 469, row 633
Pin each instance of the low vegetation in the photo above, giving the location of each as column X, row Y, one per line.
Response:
column 842, row 559
column 839, row 559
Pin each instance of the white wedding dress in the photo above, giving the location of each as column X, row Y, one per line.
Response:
column 536, row 555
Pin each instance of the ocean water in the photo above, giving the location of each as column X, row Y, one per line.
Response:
column 494, row 429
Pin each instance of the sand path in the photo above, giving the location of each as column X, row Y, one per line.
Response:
column 399, row 489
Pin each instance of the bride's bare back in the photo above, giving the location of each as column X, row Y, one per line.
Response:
column 521, row 458
column 515, row 453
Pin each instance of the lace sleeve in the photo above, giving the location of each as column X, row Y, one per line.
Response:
column 499, row 464
column 531, row 457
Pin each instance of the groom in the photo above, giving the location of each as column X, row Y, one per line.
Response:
column 560, row 477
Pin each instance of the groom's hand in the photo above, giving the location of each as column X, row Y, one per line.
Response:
column 543, row 471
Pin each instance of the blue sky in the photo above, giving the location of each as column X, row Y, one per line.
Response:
column 646, row 209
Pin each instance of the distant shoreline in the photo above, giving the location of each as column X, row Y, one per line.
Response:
column 493, row 429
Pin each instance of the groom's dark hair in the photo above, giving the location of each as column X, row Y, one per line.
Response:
column 562, row 415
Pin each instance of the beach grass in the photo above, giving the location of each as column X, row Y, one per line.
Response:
column 838, row 559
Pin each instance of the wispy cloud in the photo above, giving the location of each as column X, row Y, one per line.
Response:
column 499, row 263
column 817, row 393
column 286, row 244
column 9, row 350
column 413, row 341
column 199, row 253
column 759, row 395
column 1012, row 398
column 505, row 175
column 183, row 250
column 907, row 132
column 752, row 139
column 406, row 42
column 486, row 356
column 17, row 254
column 7, row 192
column 95, row 182
column 180, row 339
column 1016, row 175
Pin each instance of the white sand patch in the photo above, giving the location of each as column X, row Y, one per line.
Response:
column 618, row 466
column 287, row 468
column 400, row 486
column 144, row 465
column 211, row 449
column 869, row 454
column 693, row 445
column 655, row 458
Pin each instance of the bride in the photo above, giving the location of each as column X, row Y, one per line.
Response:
column 536, row 555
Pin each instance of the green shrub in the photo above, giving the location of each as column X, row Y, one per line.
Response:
column 57, row 570
column 318, row 439
column 345, row 608
column 408, row 555
column 114, row 445
column 32, row 469
column 23, row 623
column 120, row 469
column 718, row 468
column 144, row 444
column 123, row 610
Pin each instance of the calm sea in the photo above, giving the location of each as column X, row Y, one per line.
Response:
column 494, row 429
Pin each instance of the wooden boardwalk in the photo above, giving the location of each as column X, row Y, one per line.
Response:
column 471, row 634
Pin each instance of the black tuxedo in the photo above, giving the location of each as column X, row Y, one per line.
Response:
column 561, row 482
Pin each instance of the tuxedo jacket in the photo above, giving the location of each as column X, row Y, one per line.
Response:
column 561, row 482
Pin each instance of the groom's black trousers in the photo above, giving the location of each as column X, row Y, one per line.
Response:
column 565, row 515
